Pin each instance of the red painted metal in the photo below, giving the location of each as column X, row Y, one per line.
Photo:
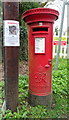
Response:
column 40, row 25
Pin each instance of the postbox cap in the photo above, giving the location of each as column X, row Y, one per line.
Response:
column 40, row 14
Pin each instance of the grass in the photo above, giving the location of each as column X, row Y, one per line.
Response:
column 60, row 92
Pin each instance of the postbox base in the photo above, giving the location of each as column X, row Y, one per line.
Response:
column 34, row 100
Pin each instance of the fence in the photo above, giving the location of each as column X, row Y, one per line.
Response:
column 63, row 50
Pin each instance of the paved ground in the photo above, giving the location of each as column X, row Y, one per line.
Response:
column 23, row 68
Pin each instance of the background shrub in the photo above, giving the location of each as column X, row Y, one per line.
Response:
column 23, row 51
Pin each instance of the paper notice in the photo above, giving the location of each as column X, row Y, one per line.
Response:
column 40, row 45
column 11, row 33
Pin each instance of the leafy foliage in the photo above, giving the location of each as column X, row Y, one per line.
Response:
column 56, row 30
column 1, row 42
column 59, row 103
column 24, row 6
column 23, row 51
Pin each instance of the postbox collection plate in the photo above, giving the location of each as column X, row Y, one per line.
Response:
column 39, row 45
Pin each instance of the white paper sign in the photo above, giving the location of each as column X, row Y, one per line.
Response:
column 11, row 33
column 40, row 45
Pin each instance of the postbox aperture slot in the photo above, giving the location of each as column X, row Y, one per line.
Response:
column 39, row 45
column 45, row 29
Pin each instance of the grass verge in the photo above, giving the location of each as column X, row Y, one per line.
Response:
column 59, row 104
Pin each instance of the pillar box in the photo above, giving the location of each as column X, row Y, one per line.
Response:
column 40, row 43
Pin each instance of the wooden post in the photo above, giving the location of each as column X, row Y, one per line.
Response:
column 11, row 12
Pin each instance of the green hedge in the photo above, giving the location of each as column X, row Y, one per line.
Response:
column 23, row 51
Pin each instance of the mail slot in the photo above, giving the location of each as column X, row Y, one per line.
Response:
column 40, row 40
column 40, row 29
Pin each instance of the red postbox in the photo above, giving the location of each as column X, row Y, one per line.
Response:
column 40, row 41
